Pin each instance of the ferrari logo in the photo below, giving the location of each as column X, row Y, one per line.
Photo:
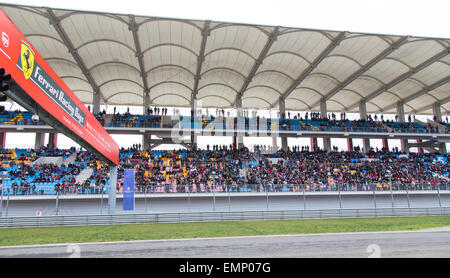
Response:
column 27, row 59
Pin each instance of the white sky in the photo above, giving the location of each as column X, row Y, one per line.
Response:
column 428, row 18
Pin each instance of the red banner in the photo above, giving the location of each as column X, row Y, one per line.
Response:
column 29, row 70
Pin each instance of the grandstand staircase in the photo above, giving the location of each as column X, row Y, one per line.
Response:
column 166, row 120
column 70, row 159
column 84, row 175
column 58, row 160
column 441, row 128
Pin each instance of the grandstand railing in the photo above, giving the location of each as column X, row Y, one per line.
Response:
column 85, row 220
column 248, row 188
column 223, row 123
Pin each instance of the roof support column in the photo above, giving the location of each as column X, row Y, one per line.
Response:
column 195, row 123
column 385, row 144
column 39, row 141
column 146, row 104
column 363, row 116
column 147, row 142
column 314, row 145
column 52, row 140
column 56, row 22
column 400, row 112
column 133, row 27
column 323, row 115
column 240, row 124
column 366, row 145
column 274, row 143
column 2, row 140
column 442, row 148
column 350, row 144
column 362, row 110
column 419, row 149
column 96, row 103
column 401, row 118
column 323, row 108
column 282, row 107
column 437, row 114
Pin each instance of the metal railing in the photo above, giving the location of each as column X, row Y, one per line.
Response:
column 85, row 220
column 220, row 188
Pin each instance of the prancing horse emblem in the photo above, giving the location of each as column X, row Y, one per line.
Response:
column 27, row 60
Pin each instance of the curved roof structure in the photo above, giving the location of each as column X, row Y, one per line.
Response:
column 122, row 58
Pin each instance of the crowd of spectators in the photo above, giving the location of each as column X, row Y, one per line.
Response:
column 179, row 170
column 232, row 169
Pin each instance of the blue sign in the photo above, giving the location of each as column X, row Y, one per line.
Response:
column 128, row 189
column 441, row 158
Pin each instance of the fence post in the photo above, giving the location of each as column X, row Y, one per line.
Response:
column 304, row 197
column 439, row 195
column 392, row 194
column 1, row 201
column 7, row 204
column 57, row 199
column 214, row 197
column 189, row 199
column 145, row 197
column 374, row 197
column 340, row 200
column 407, row 196
column 101, row 204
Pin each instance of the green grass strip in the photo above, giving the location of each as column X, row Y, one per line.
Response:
column 49, row 235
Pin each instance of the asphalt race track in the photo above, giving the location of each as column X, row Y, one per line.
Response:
column 430, row 243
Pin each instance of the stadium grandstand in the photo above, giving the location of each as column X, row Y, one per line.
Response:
column 188, row 78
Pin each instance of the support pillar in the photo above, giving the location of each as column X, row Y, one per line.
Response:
column 442, row 148
column 52, row 140
column 96, row 103
column 385, row 143
column 112, row 189
column 274, row 143
column 363, row 116
column 39, row 141
column 400, row 111
column 323, row 109
column 2, row 140
column 437, row 113
column 195, row 123
column 350, row 144
column 314, row 145
column 362, row 110
column 240, row 124
column 401, row 118
column 366, row 145
column 419, row 149
column 282, row 106
column 323, row 115
column 147, row 142
column 146, row 103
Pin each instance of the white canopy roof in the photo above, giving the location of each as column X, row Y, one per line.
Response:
column 124, row 57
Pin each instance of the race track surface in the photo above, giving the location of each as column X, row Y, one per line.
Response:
column 432, row 243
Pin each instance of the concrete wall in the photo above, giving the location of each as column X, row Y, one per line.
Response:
column 157, row 203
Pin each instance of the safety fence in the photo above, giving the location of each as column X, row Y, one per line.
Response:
column 221, row 188
column 85, row 220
